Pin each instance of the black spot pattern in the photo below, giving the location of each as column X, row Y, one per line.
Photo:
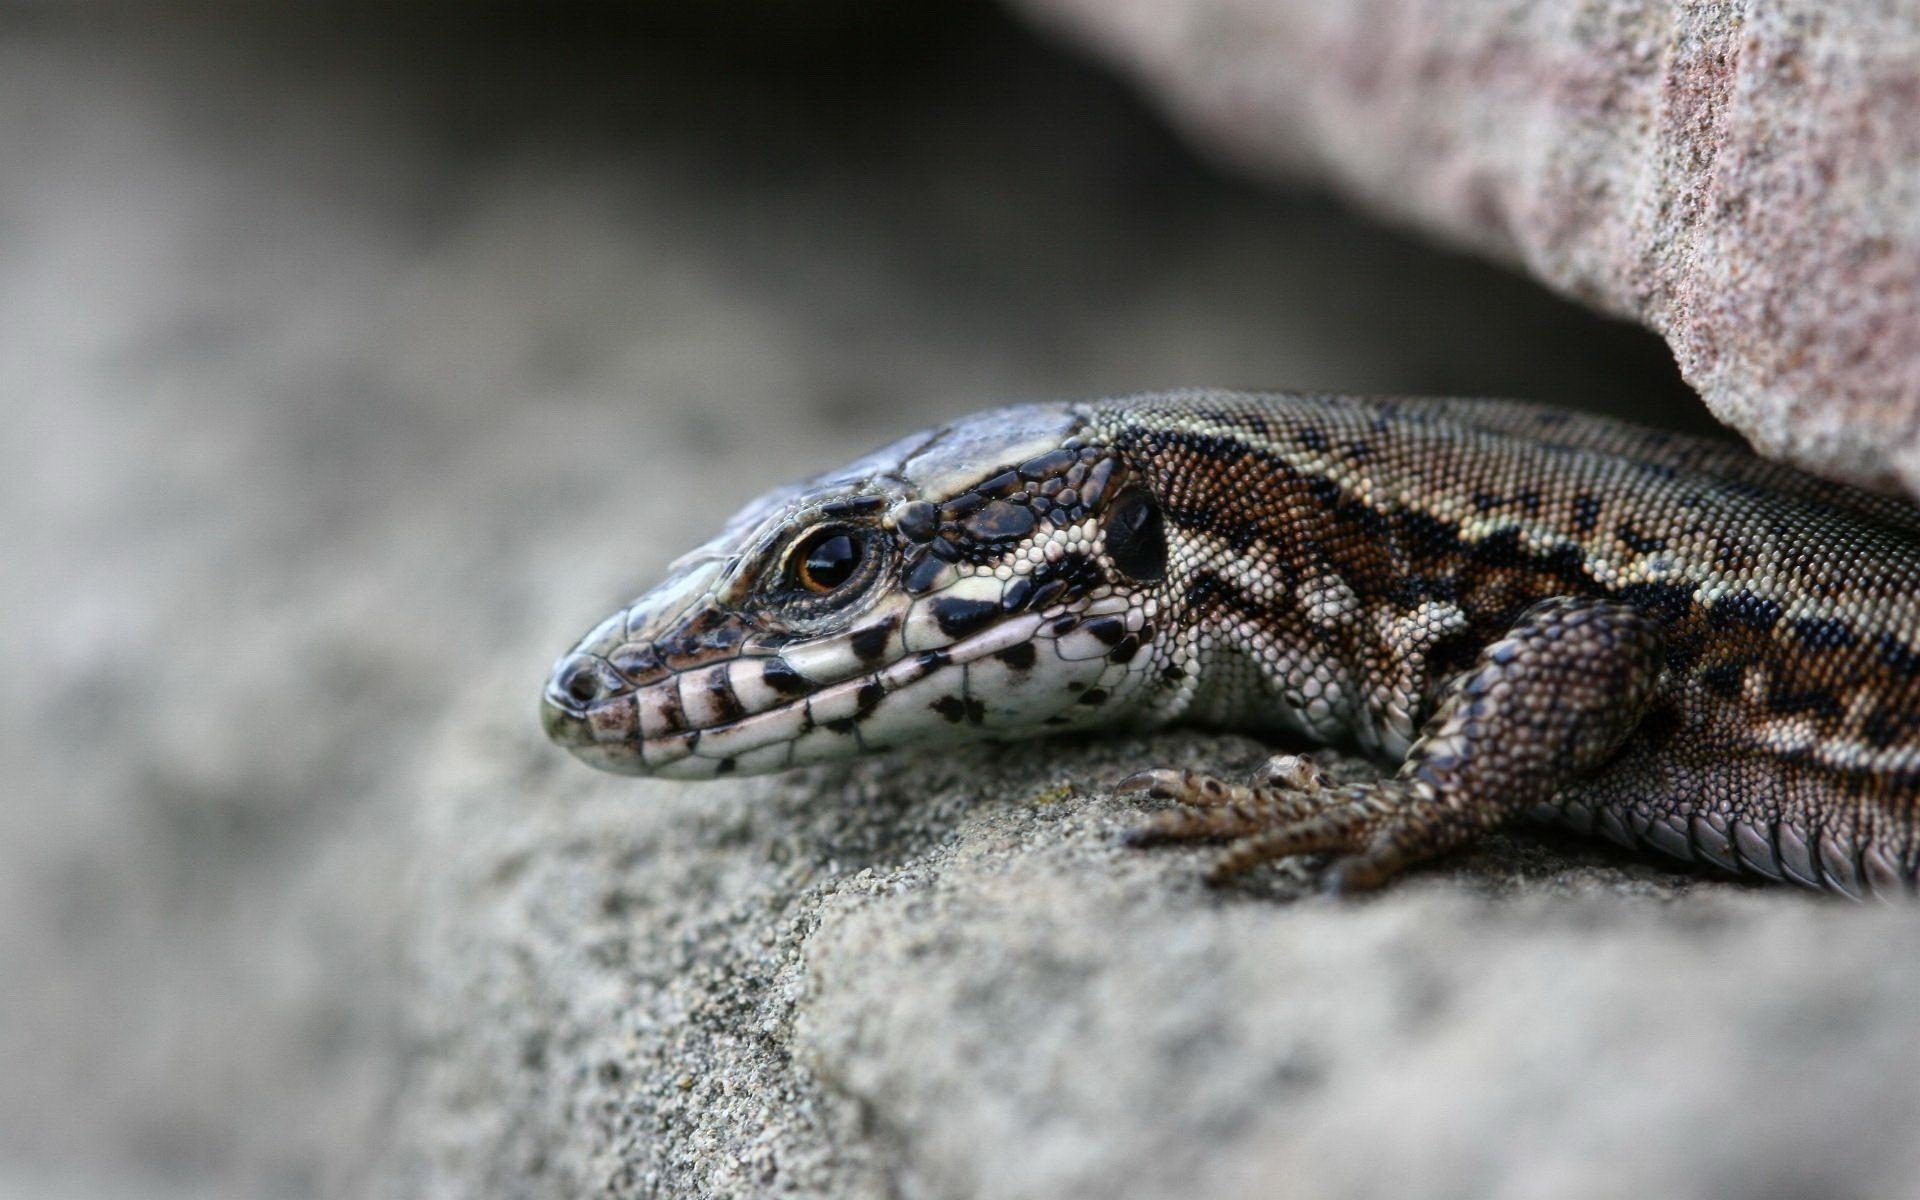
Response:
column 957, row 617
column 1020, row 656
column 870, row 644
column 960, row 709
column 1743, row 608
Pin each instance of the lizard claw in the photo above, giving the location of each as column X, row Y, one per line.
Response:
column 1183, row 787
column 1153, row 783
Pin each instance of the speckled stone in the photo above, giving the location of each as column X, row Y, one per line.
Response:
column 1744, row 179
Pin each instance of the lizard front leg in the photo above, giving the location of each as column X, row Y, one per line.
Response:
column 1549, row 701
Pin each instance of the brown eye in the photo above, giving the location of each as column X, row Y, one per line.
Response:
column 826, row 560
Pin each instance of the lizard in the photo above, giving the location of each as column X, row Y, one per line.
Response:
column 1657, row 638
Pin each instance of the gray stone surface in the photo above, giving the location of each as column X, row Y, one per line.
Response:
column 350, row 372
column 1743, row 178
column 946, row 979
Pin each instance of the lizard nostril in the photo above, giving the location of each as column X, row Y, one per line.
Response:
column 580, row 680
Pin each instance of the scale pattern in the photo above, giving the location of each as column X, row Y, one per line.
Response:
column 1653, row 637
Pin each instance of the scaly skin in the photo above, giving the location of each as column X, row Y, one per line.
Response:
column 1648, row 636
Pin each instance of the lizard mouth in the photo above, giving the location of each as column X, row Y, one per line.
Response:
column 755, row 713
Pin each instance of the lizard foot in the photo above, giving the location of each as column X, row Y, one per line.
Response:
column 1379, row 827
column 1553, row 698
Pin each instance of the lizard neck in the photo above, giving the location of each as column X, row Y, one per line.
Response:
column 1297, row 606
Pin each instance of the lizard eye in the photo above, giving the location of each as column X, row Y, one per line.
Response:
column 1137, row 536
column 826, row 559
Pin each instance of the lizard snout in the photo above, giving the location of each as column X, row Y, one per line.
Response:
column 580, row 684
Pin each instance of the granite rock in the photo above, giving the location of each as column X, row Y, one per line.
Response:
column 948, row 979
column 1742, row 178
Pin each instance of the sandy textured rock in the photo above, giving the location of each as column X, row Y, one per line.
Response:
column 946, row 979
column 1742, row 178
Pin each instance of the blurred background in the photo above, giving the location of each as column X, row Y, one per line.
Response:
column 354, row 362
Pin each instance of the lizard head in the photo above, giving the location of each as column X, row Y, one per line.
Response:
column 996, row 577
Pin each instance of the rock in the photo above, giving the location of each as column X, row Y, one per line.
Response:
column 355, row 370
column 1743, row 179
column 946, row 978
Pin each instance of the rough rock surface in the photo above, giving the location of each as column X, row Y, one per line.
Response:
column 1741, row 176
column 349, row 375
column 945, row 979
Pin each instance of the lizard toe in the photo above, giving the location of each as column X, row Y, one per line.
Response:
column 1295, row 771
column 1183, row 787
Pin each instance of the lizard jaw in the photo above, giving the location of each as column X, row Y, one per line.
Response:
column 672, row 728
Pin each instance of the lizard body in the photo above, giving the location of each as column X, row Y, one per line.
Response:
column 1653, row 637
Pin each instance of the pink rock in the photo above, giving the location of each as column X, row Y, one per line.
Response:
column 1742, row 178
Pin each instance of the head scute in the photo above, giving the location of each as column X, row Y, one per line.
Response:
column 915, row 520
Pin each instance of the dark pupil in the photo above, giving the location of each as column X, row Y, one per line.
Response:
column 830, row 563
column 1136, row 539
